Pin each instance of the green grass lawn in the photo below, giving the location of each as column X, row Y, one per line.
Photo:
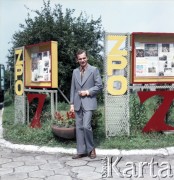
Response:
column 23, row 134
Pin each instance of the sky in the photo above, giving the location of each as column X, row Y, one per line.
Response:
column 118, row 16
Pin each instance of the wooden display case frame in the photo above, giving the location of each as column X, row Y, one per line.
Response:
column 48, row 67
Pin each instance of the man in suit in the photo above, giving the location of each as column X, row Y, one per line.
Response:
column 86, row 83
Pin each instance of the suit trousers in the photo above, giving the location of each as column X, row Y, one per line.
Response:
column 84, row 134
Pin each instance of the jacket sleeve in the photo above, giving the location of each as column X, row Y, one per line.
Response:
column 97, row 83
column 72, row 91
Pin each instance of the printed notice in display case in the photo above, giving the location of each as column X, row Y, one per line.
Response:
column 41, row 66
column 153, row 61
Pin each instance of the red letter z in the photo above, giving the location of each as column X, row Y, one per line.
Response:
column 157, row 121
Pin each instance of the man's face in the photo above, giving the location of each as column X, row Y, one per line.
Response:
column 82, row 59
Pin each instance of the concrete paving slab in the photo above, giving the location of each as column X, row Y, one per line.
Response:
column 89, row 176
column 4, row 171
column 82, row 169
column 64, row 171
column 23, row 158
column 46, row 157
column 26, row 169
column 14, row 176
column 34, row 179
column 75, row 163
column 35, row 162
column 12, row 164
column 51, row 166
column 41, row 173
column 5, row 160
column 59, row 177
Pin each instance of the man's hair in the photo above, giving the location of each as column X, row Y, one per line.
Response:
column 80, row 51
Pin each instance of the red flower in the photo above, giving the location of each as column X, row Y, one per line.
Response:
column 70, row 115
column 58, row 116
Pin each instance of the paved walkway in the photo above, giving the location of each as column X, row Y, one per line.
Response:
column 26, row 162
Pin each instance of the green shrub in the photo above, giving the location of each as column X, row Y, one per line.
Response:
column 170, row 115
column 8, row 98
column 63, row 106
column 138, row 115
column 96, row 118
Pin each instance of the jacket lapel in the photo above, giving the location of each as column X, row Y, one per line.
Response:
column 77, row 74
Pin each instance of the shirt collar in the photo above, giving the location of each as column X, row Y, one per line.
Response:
column 83, row 69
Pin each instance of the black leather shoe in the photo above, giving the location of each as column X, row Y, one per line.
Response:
column 92, row 154
column 78, row 156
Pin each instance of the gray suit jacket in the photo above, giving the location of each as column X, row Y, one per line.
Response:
column 91, row 82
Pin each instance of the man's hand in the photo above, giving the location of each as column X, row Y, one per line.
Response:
column 84, row 93
column 71, row 108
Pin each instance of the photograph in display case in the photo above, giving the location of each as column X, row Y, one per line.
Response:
column 41, row 66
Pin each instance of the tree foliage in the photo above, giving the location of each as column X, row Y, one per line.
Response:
column 71, row 33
